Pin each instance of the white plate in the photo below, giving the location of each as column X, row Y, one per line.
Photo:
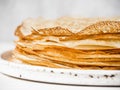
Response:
column 59, row 76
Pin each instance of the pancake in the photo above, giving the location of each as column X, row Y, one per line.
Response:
column 33, row 60
column 80, row 61
column 67, row 42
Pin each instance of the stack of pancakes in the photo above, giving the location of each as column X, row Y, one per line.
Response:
column 67, row 42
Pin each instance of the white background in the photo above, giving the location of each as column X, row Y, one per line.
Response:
column 12, row 12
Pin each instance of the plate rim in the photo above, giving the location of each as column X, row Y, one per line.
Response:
column 27, row 67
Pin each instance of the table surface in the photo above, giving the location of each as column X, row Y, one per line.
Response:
column 9, row 83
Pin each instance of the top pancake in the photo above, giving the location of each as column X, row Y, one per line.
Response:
column 68, row 26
